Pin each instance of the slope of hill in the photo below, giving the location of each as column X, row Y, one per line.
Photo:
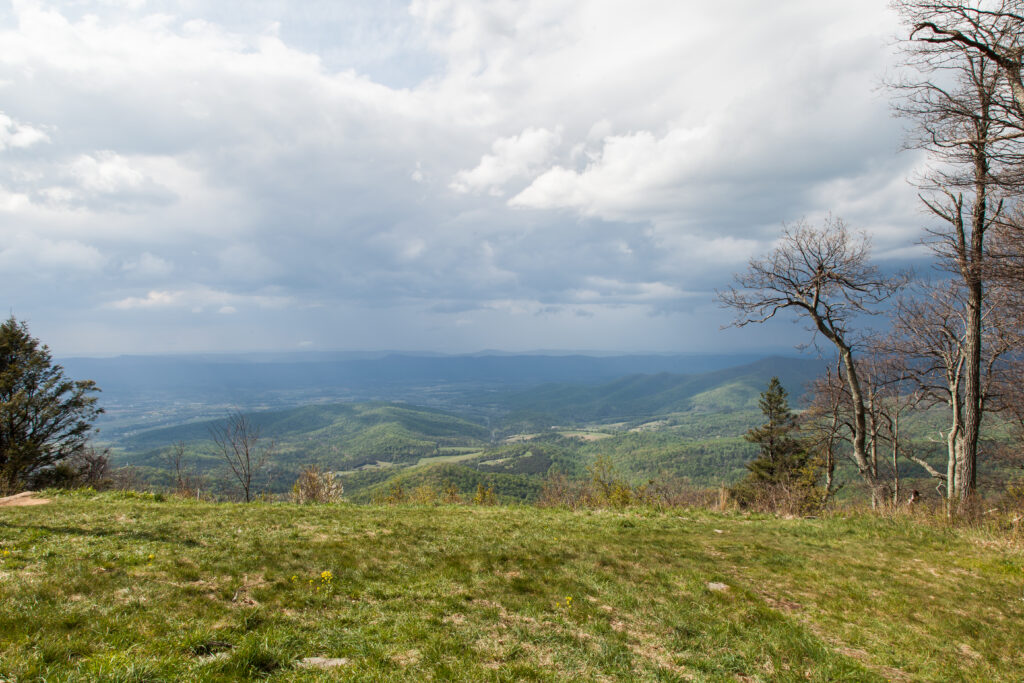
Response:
column 341, row 436
column 641, row 397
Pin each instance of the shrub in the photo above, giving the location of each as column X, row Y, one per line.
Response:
column 316, row 486
column 424, row 494
column 484, row 496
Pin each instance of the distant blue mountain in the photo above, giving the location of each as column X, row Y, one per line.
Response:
column 236, row 378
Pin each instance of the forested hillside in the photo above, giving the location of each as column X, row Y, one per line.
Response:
column 686, row 428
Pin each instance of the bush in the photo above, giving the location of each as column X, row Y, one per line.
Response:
column 317, row 486
column 88, row 468
column 484, row 496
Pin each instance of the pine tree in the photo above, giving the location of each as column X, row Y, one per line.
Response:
column 782, row 465
column 778, row 448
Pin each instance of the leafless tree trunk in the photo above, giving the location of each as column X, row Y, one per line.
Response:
column 825, row 277
column 824, row 423
column 965, row 99
column 930, row 329
column 886, row 375
column 185, row 482
column 242, row 448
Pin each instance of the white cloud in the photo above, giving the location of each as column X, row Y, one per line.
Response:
column 199, row 300
column 607, row 290
column 19, row 135
column 105, row 172
column 511, row 158
column 632, row 173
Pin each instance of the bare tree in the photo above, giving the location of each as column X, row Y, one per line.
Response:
column 829, row 420
column 931, row 330
column 825, row 425
column 992, row 29
column 186, row 483
column 964, row 94
column 92, row 467
column 824, row 276
column 242, row 448
column 891, row 397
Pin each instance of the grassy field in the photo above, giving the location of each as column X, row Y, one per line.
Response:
column 112, row 587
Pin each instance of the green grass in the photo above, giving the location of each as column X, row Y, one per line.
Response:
column 116, row 588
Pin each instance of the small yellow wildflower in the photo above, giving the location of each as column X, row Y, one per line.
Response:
column 326, row 576
column 151, row 556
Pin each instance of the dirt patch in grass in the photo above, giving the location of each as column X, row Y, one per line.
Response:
column 23, row 499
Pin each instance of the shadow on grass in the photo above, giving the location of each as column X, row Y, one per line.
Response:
column 105, row 533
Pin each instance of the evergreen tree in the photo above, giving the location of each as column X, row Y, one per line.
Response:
column 782, row 468
column 779, row 450
column 45, row 418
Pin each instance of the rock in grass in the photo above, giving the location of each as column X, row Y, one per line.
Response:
column 717, row 587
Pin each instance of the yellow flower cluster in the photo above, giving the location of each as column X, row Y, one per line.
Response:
column 567, row 604
column 326, row 579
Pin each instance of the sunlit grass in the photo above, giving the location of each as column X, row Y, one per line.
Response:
column 118, row 588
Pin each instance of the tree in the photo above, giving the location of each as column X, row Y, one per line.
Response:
column 186, row 484
column 992, row 30
column 45, row 418
column 930, row 331
column 779, row 453
column 88, row 467
column 825, row 277
column 964, row 93
column 825, row 422
column 243, row 449
column 779, row 474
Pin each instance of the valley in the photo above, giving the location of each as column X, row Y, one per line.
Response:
column 494, row 430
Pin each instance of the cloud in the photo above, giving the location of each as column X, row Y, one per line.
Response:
column 30, row 254
column 148, row 266
column 512, row 158
column 18, row 135
column 447, row 173
column 631, row 174
column 199, row 300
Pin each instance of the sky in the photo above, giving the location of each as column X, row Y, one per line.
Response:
column 443, row 175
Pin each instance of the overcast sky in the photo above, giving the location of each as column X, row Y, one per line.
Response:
column 445, row 175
